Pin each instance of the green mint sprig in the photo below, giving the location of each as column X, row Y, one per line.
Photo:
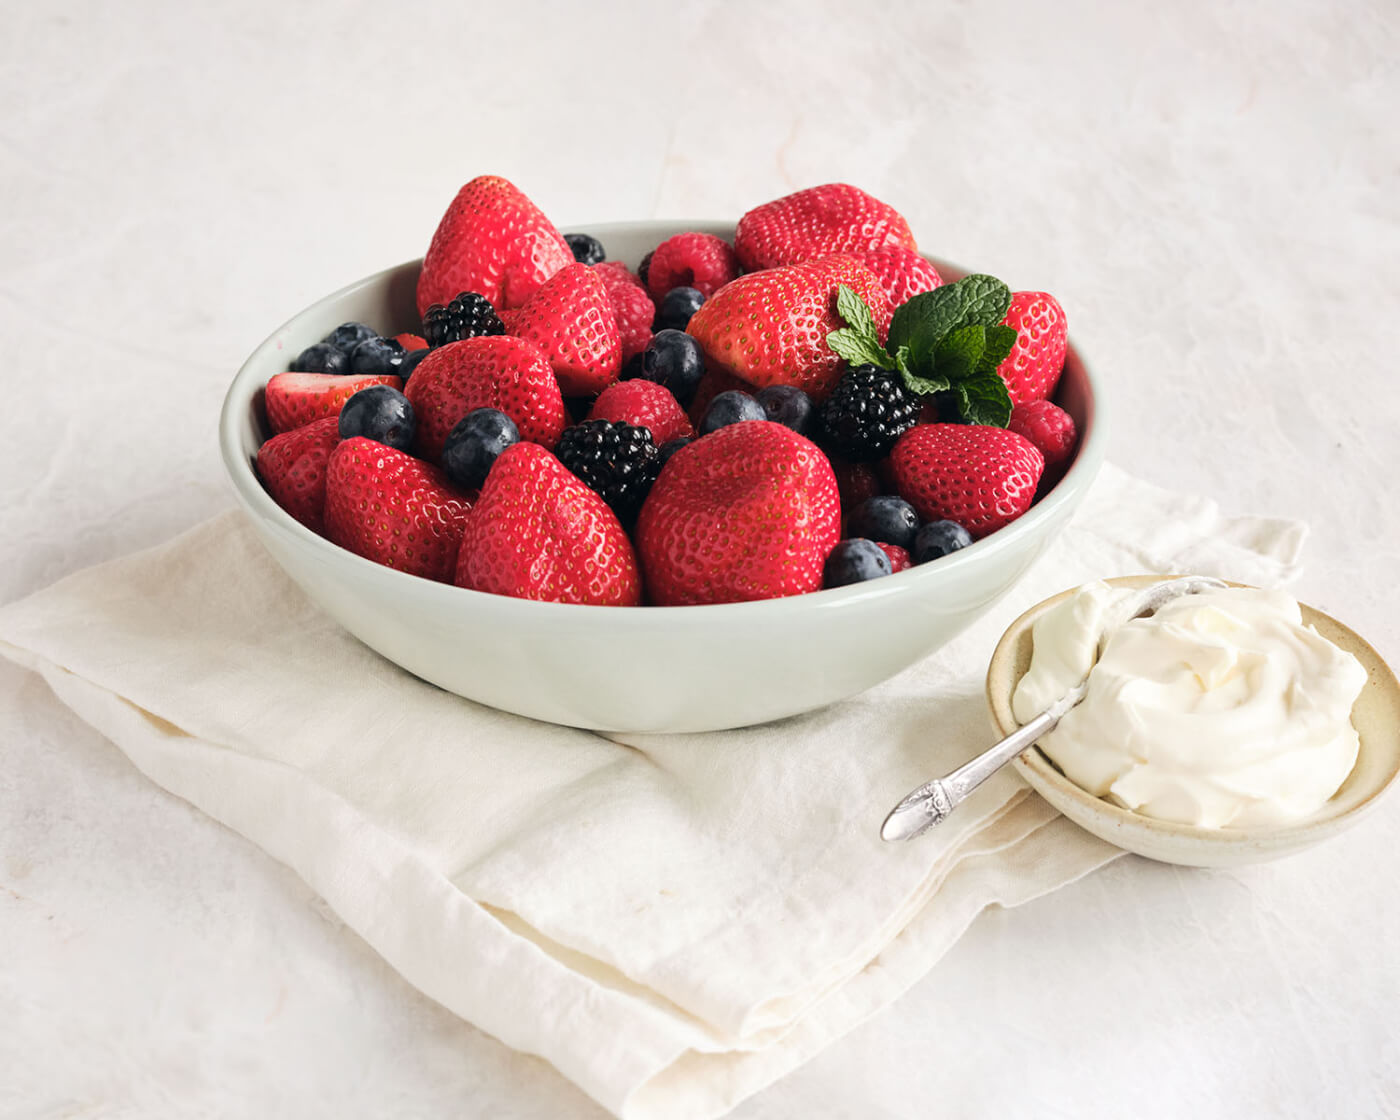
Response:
column 947, row 342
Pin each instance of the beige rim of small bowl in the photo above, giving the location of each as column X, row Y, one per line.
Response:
column 1376, row 717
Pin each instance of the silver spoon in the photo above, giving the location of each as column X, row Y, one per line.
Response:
column 931, row 803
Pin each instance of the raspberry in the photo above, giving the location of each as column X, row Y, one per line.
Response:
column 691, row 260
column 631, row 306
column 899, row 558
column 1047, row 426
column 616, row 270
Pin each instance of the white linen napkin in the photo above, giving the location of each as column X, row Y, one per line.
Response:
column 672, row 921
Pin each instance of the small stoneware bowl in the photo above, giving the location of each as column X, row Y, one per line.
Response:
column 634, row 668
column 1376, row 717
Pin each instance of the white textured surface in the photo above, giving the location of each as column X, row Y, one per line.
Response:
column 1209, row 189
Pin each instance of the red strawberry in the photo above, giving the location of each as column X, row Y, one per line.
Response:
column 493, row 371
column 411, row 342
column 1032, row 369
column 612, row 271
column 902, row 272
column 747, row 512
column 632, row 307
column 1046, row 425
column 899, row 558
column 979, row 476
column 293, row 468
column 393, row 509
column 571, row 320
column 645, row 404
column 836, row 218
column 537, row 532
column 294, row 399
column 492, row 240
column 693, row 260
column 770, row 327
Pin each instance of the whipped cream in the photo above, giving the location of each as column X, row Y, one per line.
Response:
column 1222, row 709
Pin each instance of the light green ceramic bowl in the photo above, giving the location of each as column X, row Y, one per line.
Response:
column 634, row 668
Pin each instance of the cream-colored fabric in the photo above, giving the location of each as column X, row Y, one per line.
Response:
column 673, row 922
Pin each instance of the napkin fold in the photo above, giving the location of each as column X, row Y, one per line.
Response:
column 672, row 921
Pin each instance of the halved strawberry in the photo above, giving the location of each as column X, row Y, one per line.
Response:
column 644, row 404
column 835, row 218
column 537, row 532
column 570, row 319
column 411, row 342
column 977, row 475
column 493, row 371
column 492, row 240
column 295, row 399
column 747, row 512
column 393, row 509
column 770, row 327
column 293, row 468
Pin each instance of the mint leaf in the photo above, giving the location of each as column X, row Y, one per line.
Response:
column 854, row 311
column 858, row 341
column 959, row 352
column 986, row 400
column 986, row 299
column 921, row 321
column 916, row 381
column 1000, row 340
column 858, row 349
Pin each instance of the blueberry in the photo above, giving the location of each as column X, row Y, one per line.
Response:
column 854, row 561
column 349, row 335
column 473, row 445
column 730, row 407
column 586, row 249
column 938, row 538
column 376, row 356
column 674, row 359
column 671, row 446
column 379, row 413
column 410, row 362
column 787, row 405
column 321, row 358
column 676, row 308
column 884, row 518
column 644, row 269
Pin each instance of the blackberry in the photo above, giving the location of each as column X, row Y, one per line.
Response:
column 644, row 269
column 467, row 316
column 867, row 412
column 617, row 461
column 585, row 248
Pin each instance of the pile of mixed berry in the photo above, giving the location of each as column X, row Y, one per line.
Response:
column 808, row 407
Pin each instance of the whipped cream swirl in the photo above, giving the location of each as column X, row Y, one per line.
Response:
column 1220, row 710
